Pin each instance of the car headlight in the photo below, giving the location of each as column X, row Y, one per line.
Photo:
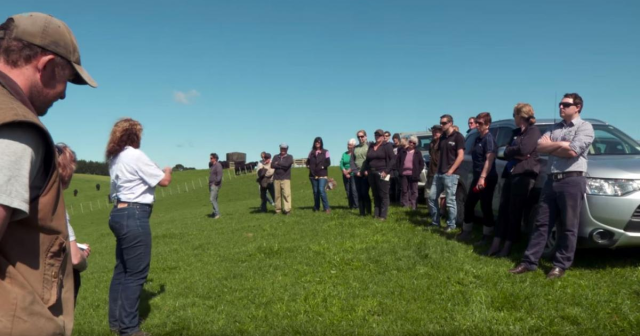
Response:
column 607, row 187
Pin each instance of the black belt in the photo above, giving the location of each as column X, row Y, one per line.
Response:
column 135, row 205
column 560, row 176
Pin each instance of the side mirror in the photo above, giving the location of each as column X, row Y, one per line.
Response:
column 500, row 154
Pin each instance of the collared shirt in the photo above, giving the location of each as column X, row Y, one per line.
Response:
column 449, row 146
column 579, row 134
column 360, row 154
column 134, row 176
column 483, row 145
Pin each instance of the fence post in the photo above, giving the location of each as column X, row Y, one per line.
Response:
column 193, row 184
column 72, row 209
column 91, row 206
column 199, row 180
column 186, row 187
column 81, row 208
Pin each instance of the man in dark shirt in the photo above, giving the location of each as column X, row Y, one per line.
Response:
column 215, row 181
column 451, row 146
column 434, row 154
column 282, row 179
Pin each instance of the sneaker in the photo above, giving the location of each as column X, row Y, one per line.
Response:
column 449, row 229
column 216, row 217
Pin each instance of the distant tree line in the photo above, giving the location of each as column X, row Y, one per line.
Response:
column 180, row 167
column 92, row 167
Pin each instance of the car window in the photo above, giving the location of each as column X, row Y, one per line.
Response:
column 611, row 141
column 504, row 136
column 424, row 142
column 471, row 139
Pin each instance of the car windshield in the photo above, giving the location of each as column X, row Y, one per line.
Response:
column 424, row 141
column 608, row 141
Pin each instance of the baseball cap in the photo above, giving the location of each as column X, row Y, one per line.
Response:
column 51, row 34
column 284, row 145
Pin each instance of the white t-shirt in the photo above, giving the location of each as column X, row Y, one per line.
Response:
column 134, row 176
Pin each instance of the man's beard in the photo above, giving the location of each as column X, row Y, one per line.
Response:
column 39, row 100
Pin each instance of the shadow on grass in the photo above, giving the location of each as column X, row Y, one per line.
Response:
column 145, row 297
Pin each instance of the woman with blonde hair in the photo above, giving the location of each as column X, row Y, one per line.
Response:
column 79, row 252
column 133, row 180
column 520, row 175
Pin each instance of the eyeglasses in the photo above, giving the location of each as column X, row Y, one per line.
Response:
column 361, row 136
column 566, row 105
column 444, row 123
column 479, row 123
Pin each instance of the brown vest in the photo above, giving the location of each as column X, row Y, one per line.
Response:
column 36, row 279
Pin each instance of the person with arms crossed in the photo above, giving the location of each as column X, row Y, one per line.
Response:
column 282, row 179
column 567, row 144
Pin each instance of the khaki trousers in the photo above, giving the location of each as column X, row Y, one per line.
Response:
column 283, row 195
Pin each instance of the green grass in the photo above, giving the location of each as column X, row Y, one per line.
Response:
column 316, row 274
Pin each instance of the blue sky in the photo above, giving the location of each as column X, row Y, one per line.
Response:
column 224, row 76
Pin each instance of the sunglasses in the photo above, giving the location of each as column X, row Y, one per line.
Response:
column 444, row 123
column 479, row 123
column 361, row 136
column 566, row 105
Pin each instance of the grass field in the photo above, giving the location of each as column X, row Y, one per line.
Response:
column 249, row 273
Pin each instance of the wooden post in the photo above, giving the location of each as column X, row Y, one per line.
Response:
column 186, row 187
column 199, row 180
column 90, row 206
column 193, row 184
column 81, row 208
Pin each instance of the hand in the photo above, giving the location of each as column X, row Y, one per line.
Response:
column 167, row 170
column 449, row 173
column 481, row 184
column 544, row 139
column 358, row 174
column 366, row 173
column 86, row 251
column 383, row 175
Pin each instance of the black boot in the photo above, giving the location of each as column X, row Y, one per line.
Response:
column 495, row 247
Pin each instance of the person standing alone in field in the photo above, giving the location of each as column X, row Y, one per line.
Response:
column 38, row 56
column 134, row 178
column 318, row 163
column 215, row 181
column 282, row 179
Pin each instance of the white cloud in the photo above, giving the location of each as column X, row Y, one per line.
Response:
column 185, row 97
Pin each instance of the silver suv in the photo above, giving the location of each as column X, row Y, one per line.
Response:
column 611, row 215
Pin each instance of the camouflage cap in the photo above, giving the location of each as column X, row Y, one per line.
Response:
column 51, row 34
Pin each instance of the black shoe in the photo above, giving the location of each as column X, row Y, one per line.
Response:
column 484, row 241
column 520, row 269
column 465, row 236
column 555, row 273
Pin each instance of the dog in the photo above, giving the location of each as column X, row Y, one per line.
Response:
column 331, row 184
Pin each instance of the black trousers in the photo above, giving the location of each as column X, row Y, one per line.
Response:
column 563, row 199
column 76, row 285
column 514, row 198
column 263, row 196
column 364, row 200
column 380, row 189
column 485, row 196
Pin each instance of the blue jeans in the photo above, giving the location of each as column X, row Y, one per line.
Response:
column 318, row 186
column 352, row 191
column 130, row 226
column 448, row 184
column 213, row 197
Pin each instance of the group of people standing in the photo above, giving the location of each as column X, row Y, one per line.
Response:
column 566, row 145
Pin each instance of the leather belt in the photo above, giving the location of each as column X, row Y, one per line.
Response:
column 560, row 176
